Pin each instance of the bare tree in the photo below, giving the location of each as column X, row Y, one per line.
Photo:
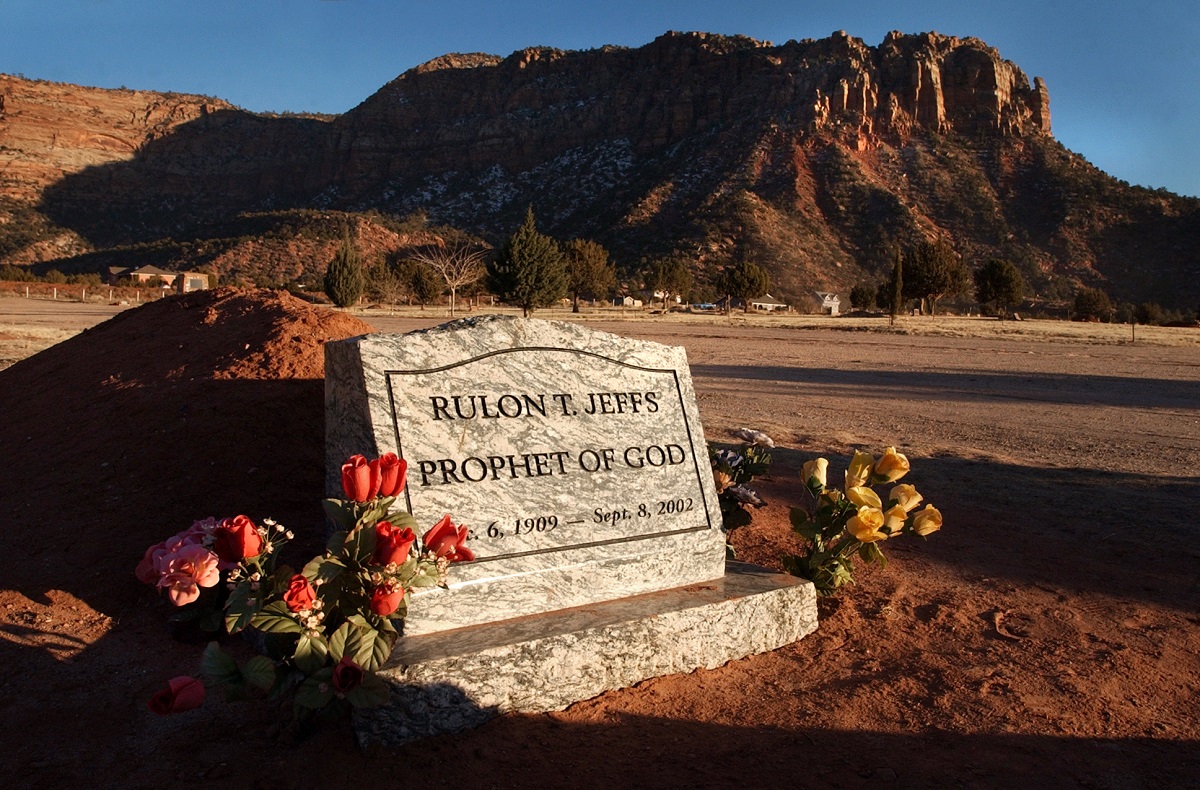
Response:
column 459, row 264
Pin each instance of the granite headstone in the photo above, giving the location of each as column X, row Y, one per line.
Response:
column 578, row 462
column 575, row 457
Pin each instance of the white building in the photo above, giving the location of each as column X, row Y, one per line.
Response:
column 829, row 301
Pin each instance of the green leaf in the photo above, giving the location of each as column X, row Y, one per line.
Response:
column 311, row 653
column 337, row 542
column 218, row 666
column 427, row 579
column 360, row 544
column 276, row 618
column 238, row 609
column 282, row 578
column 260, row 672
column 380, row 650
column 372, row 515
column 372, row 692
column 323, row 569
column 316, row 692
column 346, row 641
column 339, row 512
column 401, row 519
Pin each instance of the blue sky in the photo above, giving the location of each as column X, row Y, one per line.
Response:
column 1124, row 78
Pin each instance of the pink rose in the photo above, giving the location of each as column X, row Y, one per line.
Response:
column 185, row 571
column 446, row 540
column 299, row 594
column 360, row 479
column 391, row 544
column 182, row 693
column 237, row 539
column 385, row 600
column 147, row 570
column 347, row 676
column 392, row 473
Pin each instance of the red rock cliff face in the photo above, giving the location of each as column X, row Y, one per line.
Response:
column 147, row 153
column 51, row 130
column 465, row 113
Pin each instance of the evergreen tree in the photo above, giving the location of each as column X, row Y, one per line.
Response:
column 424, row 284
column 669, row 276
column 999, row 285
column 528, row 271
column 862, row 297
column 744, row 281
column 1092, row 304
column 934, row 270
column 589, row 270
column 344, row 282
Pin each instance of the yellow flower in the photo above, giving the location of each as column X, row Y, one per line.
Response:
column 927, row 521
column 865, row 525
column 893, row 518
column 859, row 470
column 722, row 480
column 890, row 467
column 817, row 468
column 863, row 497
column 907, row 496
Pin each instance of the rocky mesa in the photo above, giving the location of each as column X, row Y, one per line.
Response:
column 812, row 157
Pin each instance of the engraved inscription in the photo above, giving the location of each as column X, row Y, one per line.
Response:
column 531, row 470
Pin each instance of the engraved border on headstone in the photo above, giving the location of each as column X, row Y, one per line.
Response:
column 400, row 394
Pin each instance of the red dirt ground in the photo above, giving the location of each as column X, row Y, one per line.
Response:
column 1047, row 637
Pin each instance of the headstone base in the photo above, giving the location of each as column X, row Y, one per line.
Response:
column 454, row 680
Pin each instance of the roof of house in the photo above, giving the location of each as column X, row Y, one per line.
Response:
column 828, row 296
column 768, row 299
column 148, row 269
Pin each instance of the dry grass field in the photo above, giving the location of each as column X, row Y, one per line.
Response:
column 1048, row 636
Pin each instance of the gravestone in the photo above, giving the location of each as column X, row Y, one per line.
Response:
column 578, row 462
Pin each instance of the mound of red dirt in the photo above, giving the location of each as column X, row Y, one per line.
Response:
column 207, row 403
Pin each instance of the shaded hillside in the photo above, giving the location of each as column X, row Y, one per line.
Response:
column 271, row 249
column 811, row 157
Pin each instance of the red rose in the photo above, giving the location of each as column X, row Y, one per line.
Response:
column 347, row 676
column 392, row 473
column 446, row 540
column 391, row 544
column 237, row 539
column 385, row 600
column 360, row 479
column 299, row 594
column 182, row 693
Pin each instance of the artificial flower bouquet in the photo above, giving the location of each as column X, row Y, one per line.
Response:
column 855, row 519
column 325, row 630
column 733, row 470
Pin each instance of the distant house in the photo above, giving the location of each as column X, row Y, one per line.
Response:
column 829, row 301
column 145, row 274
column 627, row 301
column 181, row 282
column 767, row 304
